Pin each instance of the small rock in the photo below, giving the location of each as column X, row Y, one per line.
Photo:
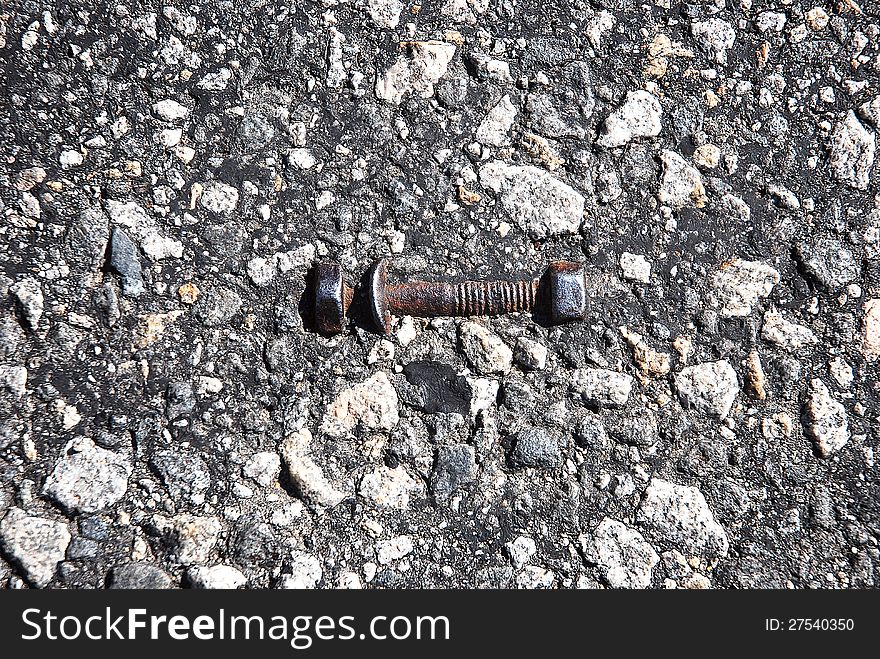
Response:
column 534, row 447
column 305, row 572
column 389, row 488
column 532, row 577
column 125, row 262
column 29, row 178
column 485, row 351
column 639, row 116
column 786, row 334
column 184, row 473
column 495, row 127
column 454, row 467
column 768, row 21
column 755, row 375
column 418, row 73
column 220, row 577
column 520, row 551
column 852, row 150
column 707, row 156
column 679, row 515
column 828, row 423
column 263, row 468
column 710, row 387
column 870, row 112
column 738, row 286
column 14, row 379
column 828, row 262
column 530, row 354
column 624, row 556
column 170, row 110
column 370, row 405
column 180, row 400
column 539, row 203
column 35, row 544
column 219, row 197
column 599, row 386
column 651, row 362
column 139, row 576
column 681, row 184
column 635, row 267
column 714, row 36
column 29, row 297
column 385, row 13
column 871, row 341
column 217, row 307
column 190, row 538
column 70, row 158
column 388, row 551
column 143, row 229
column 306, row 474
column 841, row 371
column 87, row 478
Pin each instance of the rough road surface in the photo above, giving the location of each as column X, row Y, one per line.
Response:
column 171, row 171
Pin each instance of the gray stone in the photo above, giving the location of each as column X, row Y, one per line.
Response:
column 184, row 473
column 263, row 468
column 305, row 572
column 494, row 130
column 625, row 558
column 534, row 447
column 520, row 551
column 828, row 262
column 536, row 201
column 714, row 36
column 485, row 351
column 125, row 262
column 784, row 333
column 220, row 577
column 681, row 185
column 217, row 306
column 180, row 400
column 828, row 423
column 28, row 296
column 139, row 576
column 389, row 488
column 306, row 474
column 370, row 405
column 454, row 467
column 530, row 354
column 679, row 516
column 710, row 387
column 738, row 286
column 88, row 478
column 852, row 150
column 602, row 387
column 190, row 539
column 639, row 116
column 35, row 544
column 14, row 379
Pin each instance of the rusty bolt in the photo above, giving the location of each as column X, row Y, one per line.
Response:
column 563, row 285
column 332, row 298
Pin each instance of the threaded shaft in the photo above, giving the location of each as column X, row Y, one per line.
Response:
column 491, row 298
column 469, row 298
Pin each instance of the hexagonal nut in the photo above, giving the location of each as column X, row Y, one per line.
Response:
column 567, row 289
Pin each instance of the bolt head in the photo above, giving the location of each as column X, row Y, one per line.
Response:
column 331, row 300
column 568, row 291
column 377, row 277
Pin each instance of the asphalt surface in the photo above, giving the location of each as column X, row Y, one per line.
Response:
column 172, row 172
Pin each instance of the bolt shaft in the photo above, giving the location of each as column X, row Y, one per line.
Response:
column 468, row 298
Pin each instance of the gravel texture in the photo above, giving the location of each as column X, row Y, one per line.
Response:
column 173, row 170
